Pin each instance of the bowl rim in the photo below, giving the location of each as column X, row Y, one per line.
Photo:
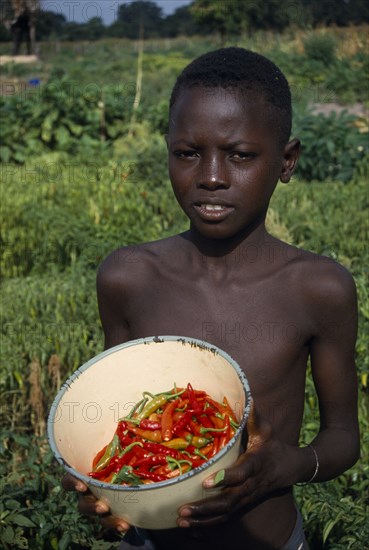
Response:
column 160, row 484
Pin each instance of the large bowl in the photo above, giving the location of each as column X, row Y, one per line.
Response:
column 85, row 412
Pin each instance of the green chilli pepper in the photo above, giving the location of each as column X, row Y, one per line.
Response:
column 109, row 453
column 156, row 403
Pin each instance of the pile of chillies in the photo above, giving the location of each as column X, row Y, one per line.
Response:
column 164, row 436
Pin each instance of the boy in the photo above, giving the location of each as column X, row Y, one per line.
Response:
column 266, row 303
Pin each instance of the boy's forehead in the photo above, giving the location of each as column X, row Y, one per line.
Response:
column 218, row 103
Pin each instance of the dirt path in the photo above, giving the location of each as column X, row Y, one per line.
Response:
column 18, row 59
column 357, row 109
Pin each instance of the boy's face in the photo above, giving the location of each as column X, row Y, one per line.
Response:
column 224, row 159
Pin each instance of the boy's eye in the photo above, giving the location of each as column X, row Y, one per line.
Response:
column 185, row 154
column 242, row 155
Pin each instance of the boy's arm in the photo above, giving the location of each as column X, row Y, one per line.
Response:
column 110, row 295
column 270, row 464
column 332, row 354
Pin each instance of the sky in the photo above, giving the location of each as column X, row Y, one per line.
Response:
column 81, row 11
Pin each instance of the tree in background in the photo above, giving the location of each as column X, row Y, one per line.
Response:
column 337, row 12
column 135, row 14
column 234, row 17
column 181, row 23
column 273, row 14
column 49, row 23
column 93, row 29
column 226, row 18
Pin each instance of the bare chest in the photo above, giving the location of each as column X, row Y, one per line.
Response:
column 258, row 325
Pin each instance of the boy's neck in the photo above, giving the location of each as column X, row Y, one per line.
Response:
column 217, row 249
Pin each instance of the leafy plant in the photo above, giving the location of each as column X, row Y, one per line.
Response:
column 332, row 145
column 62, row 116
column 59, row 209
column 320, row 47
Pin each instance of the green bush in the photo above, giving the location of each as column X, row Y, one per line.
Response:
column 332, row 146
column 62, row 115
column 320, row 47
column 58, row 210
column 35, row 512
column 348, row 79
column 342, row 80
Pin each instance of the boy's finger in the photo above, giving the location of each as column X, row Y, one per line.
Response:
column 212, row 510
column 246, row 466
column 70, row 483
column 89, row 505
column 117, row 524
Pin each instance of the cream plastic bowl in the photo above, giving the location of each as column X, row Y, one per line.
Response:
column 85, row 412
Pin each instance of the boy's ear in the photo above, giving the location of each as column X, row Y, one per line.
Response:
column 166, row 140
column 291, row 155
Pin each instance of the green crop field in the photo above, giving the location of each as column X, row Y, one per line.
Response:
column 83, row 172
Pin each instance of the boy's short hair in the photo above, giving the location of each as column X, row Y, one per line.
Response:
column 246, row 71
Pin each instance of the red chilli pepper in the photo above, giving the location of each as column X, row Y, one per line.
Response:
column 167, row 420
column 150, row 475
column 194, row 459
column 207, row 449
column 121, row 428
column 177, row 472
column 149, row 462
column 182, row 402
column 101, row 474
column 195, row 428
column 215, row 449
column 223, row 440
column 160, row 449
column 127, row 440
column 205, row 421
column 217, row 406
column 121, row 433
column 141, row 452
column 217, row 421
column 124, row 457
column 122, row 460
column 146, row 424
column 182, row 422
column 195, row 405
column 228, row 409
column 151, row 435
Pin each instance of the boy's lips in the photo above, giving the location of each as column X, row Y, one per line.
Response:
column 214, row 211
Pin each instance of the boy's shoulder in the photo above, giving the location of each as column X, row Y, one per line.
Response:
column 320, row 279
column 322, row 268
column 135, row 261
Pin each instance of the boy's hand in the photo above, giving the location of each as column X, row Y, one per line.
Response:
column 258, row 471
column 89, row 505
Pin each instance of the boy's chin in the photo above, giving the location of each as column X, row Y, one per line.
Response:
column 223, row 232
column 215, row 232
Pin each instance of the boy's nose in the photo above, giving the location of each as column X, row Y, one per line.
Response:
column 212, row 175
